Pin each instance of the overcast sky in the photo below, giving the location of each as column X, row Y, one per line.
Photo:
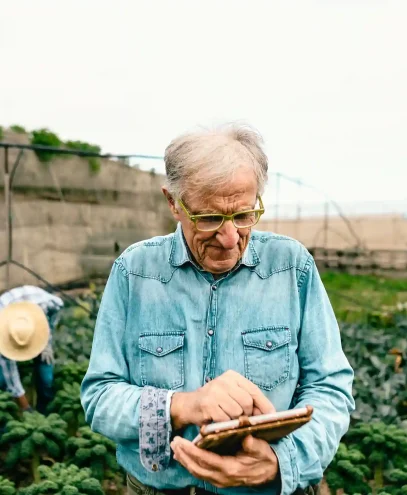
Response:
column 325, row 82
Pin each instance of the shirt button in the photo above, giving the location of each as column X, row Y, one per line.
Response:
column 210, row 332
column 269, row 344
column 207, row 379
column 154, row 467
column 159, row 349
column 214, row 287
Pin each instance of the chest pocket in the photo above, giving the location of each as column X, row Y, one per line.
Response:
column 266, row 356
column 162, row 359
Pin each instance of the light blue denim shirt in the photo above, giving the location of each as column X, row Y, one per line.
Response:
column 166, row 325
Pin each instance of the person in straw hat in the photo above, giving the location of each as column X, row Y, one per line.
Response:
column 28, row 315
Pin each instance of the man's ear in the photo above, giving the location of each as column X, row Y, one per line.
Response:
column 171, row 203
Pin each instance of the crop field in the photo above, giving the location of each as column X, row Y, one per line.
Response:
column 58, row 453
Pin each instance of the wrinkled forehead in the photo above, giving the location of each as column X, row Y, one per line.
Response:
column 237, row 192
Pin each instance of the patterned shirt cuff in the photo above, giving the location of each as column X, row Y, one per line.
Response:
column 155, row 428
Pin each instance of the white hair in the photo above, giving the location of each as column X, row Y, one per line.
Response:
column 208, row 159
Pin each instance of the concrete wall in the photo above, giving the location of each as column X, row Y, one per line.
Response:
column 374, row 231
column 69, row 223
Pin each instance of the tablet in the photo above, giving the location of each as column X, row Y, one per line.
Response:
column 226, row 437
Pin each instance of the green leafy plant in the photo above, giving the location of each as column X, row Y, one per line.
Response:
column 348, row 469
column 18, row 129
column 379, row 389
column 70, row 373
column 8, row 409
column 7, row 487
column 89, row 449
column 64, row 480
column 1, row 133
column 45, row 137
column 34, row 438
column 73, row 337
column 380, row 443
column 94, row 162
column 68, row 405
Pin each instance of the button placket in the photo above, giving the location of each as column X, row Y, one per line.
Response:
column 210, row 342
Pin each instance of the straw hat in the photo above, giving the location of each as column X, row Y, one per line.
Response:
column 24, row 331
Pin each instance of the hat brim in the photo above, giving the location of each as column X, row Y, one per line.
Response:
column 39, row 340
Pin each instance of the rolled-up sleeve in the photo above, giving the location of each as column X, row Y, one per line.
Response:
column 113, row 406
column 11, row 377
column 325, row 383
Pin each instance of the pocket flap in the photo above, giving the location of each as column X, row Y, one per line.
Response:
column 267, row 338
column 160, row 344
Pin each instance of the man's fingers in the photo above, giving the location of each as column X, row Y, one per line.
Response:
column 243, row 398
column 263, row 404
column 259, row 399
column 202, row 457
column 230, row 406
column 204, row 464
column 193, row 467
column 218, row 414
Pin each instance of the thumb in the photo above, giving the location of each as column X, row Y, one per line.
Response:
column 252, row 446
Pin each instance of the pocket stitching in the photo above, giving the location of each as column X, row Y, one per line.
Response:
column 284, row 376
column 180, row 360
column 164, row 352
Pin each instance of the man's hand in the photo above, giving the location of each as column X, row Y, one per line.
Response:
column 47, row 355
column 255, row 464
column 226, row 397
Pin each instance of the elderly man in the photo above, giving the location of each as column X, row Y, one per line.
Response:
column 212, row 322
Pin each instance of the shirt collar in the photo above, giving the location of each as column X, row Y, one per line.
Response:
column 179, row 254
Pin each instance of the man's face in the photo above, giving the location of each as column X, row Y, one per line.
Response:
column 218, row 252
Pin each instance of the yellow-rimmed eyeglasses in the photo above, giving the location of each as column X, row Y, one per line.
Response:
column 209, row 222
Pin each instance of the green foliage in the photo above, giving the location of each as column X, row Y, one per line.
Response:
column 64, row 480
column 1, row 133
column 18, row 129
column 89, row 449
column 8, row 408
column 348, row 469
column 380, row 393
column 372, row 456
column 33, row 438
column 45, row 137
column 7, row 487
column 369, row 290
column 94, row 162
column 379, row 442
column 68, row 405
column 74, row 335
column 70, row 373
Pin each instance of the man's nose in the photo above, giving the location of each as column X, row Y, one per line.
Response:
column 227, row 235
